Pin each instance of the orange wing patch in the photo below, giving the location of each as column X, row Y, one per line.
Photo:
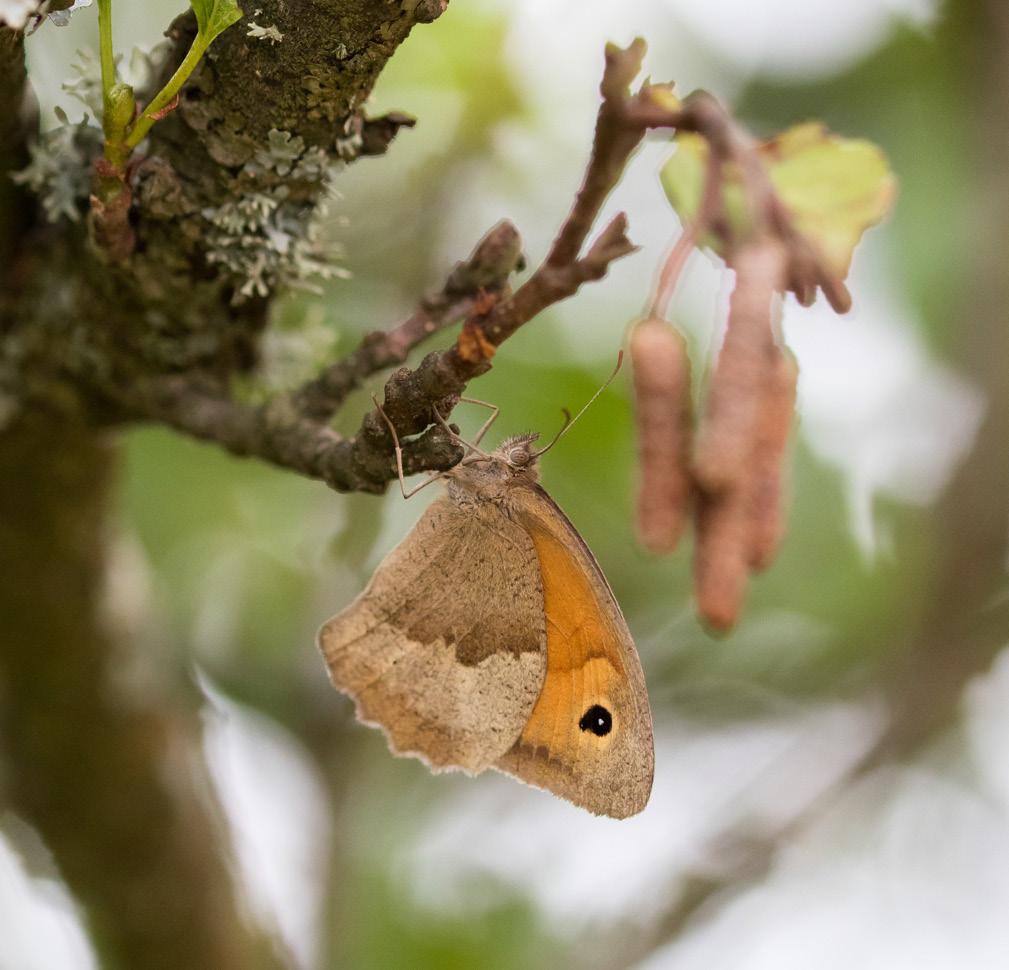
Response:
column 583, row 661
column 589, row 735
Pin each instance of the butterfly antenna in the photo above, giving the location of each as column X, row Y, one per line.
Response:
column 569, row 421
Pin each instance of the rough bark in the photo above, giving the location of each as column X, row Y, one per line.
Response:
column 108, row 775
column 96, row 328
column 92, row 343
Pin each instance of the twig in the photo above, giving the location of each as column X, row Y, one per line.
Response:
column 477, row 291
column 276, row 432
column 614, row 143
column 442, row 377
column 487, row 271
column 290, row 430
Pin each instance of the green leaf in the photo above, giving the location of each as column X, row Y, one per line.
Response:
column 683, row 179
column 215, row 16
column 833, row 188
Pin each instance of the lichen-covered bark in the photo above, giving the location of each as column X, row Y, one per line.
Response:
column 172, row 305
column 92, row 342
column 110, row 778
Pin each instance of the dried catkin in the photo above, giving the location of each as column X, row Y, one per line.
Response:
column 734, row 398
column 768, row 457
column 721, row 570
column 661, row 369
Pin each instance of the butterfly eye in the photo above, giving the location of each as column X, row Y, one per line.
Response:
column 518, row 457
column 598, row 720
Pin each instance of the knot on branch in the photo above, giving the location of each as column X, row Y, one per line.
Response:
column 378, row 133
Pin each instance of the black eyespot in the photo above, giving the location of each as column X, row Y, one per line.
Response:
column 598, row 720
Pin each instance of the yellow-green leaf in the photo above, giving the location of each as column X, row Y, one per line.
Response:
column 215, row 16
column 683, row 178
column 833, row 188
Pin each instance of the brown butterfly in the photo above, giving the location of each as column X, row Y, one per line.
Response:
column 489, row 638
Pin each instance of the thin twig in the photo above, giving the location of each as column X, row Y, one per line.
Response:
column 277, row 433
column 412, row 395
column 614, row 143
column 484, row 274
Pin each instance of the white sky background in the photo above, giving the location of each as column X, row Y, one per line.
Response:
column 910, row 876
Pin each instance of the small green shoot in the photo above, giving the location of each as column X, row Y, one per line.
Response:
column 122, row 132
column 212, row 18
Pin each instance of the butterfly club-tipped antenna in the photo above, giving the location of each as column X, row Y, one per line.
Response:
column 569, row 421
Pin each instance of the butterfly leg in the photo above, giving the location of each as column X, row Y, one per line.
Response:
column 399, row 456
column 457, row 438
column 485, row 427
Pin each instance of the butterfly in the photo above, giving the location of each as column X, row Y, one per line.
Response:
column 490, row 638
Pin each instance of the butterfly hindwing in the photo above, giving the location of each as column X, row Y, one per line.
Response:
column 589, row 736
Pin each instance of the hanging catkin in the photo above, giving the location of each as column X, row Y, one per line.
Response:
column 766, row 501
column 721, row 570
column 661, row 369
column 733, row 403
column 723, row 466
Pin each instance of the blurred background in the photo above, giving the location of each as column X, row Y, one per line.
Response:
column 831, row 788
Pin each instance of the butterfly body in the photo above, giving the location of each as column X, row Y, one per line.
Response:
column 489, row 638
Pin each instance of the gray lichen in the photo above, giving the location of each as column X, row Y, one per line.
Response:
column 59, row 172
column 62, row 17
column 270, row 237
column 261, row 32
column 86, row 82
column 287, row 156
column 349, row 141
column 140, row 71
column 265, row 241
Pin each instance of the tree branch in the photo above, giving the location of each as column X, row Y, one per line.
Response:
column 244, row 161
column 442, row 376
column 616, row 138
column 483, row 276
column 277, row 433
column 288, row 431
column 105, row 769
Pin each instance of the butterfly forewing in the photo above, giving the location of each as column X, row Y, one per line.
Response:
column 445, row 649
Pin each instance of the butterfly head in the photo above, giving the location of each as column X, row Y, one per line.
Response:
column 518, row 453
column 513, row 463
